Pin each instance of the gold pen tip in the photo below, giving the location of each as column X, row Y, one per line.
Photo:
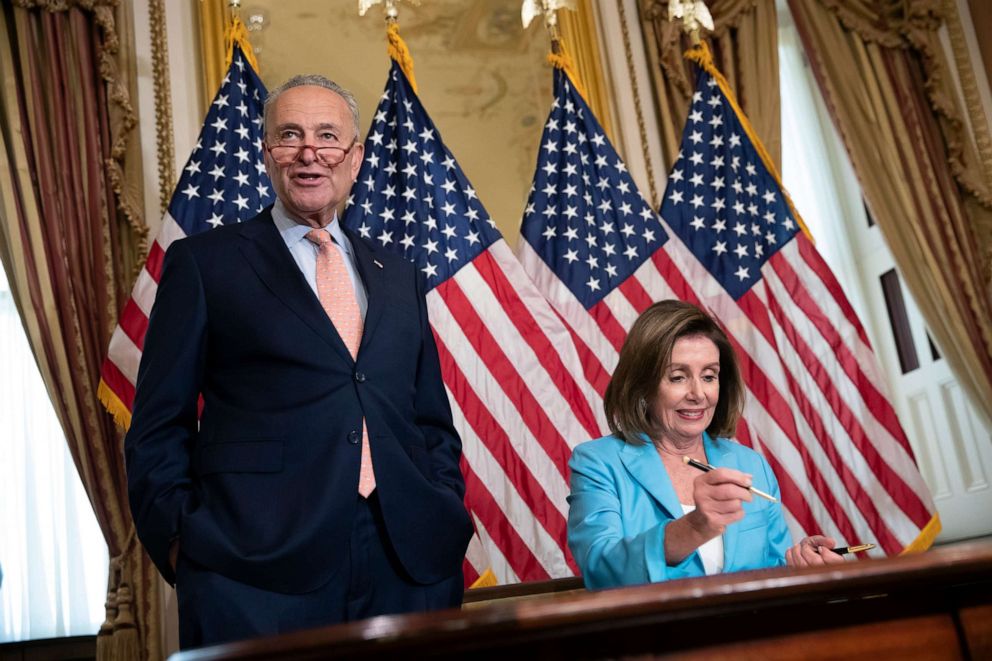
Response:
column 685, row 459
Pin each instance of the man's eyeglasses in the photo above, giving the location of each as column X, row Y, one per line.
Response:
column 329, row 156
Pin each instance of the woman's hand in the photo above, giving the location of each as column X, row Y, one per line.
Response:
column 719, row 496
column 813, row 551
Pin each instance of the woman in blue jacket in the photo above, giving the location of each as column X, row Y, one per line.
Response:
column 637, row 512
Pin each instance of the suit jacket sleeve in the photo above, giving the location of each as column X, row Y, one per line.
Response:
column 164, row 422
column 606, row 557
column 434, row 412
column 779, row 537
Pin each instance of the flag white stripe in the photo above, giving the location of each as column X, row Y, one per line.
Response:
column 488, row 389
column 556, row 406
column 516, row 510
column 889, row 450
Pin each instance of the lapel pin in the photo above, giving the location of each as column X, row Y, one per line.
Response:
column 377, row 262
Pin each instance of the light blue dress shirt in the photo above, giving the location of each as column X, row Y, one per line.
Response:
column 304, row 251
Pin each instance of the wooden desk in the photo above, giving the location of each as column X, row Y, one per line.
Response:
column 936, row 605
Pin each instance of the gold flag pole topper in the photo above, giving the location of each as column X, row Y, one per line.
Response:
column 396, row 46
column 237, row 33
column 558, row 57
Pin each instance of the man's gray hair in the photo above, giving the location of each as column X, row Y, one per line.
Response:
column 315, row 80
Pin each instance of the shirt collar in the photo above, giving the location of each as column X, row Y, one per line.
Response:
column 292, row 232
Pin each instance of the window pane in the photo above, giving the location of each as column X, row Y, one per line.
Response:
column 52, row 553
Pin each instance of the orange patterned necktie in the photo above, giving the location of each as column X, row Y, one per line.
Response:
column 337, row 297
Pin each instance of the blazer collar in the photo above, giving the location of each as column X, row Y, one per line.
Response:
column 644, row 464
column 266, row 252
column 373, row 272
column 646, row 467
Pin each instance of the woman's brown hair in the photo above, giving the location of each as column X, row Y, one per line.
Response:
column 643, row 359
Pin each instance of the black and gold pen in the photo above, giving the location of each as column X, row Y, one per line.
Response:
column 856, row 548
column 706, row 468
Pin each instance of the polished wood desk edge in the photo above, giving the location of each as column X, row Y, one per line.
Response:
column 678, row 599
column 518, row 590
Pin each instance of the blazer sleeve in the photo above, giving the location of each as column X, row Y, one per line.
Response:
column 159, row 442
column 779, row 537
column 433, row 412
column 605, row 555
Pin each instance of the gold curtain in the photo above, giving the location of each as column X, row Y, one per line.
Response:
column 890, row 91
column 745, row 50
column 71, row 228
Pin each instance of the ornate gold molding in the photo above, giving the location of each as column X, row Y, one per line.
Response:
column 163, row 103
column 969, row 88
column 579, row 32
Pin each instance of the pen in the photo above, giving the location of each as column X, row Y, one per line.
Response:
column 857, row 548
column 706, row 468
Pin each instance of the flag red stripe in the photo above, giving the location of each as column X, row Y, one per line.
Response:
column 469, row 573
column 118, row 383
column 495, row 438
column 905, row 497
column 153, row 263
column 878, row 404
column 612, row 330
column 500, row 530
column 816, row 264
column 531, row 332
column 592, row 366
column 505, row 373
column 673, row 276
column 781, row 412
column 809, row 412
column 764, row 391
column 635, row 292
column 134, row 323
column 793, row 498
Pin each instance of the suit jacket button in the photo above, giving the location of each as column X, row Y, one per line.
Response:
column 354, row 437
column 360, row 377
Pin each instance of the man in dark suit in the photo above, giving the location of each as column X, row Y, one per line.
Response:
column 320, row 483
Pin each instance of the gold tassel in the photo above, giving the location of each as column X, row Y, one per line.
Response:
column 237, row 33
column 127, row 647
column 105, row 639
column 562, row 60
column 398, row 50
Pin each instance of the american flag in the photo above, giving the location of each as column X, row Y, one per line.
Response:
column 816, row 405
column 516, row 387
column 224, row 181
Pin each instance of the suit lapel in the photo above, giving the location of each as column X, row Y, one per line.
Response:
column 720, row 458
column 373, row 275
column 268, row 255
column 644, row 465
